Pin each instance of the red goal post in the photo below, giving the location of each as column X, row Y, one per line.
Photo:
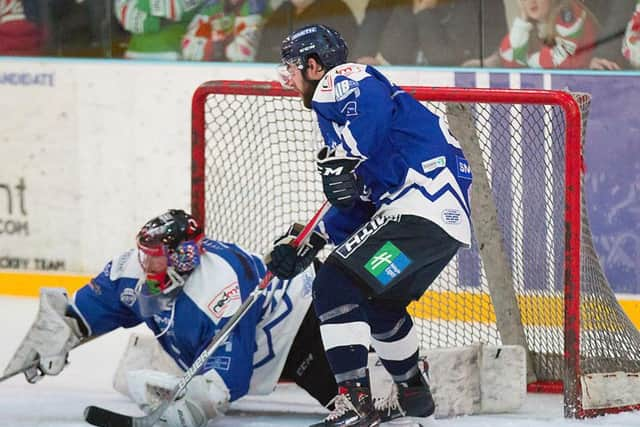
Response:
column 532, row 276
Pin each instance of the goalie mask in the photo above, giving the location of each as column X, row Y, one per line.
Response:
column 169, row 248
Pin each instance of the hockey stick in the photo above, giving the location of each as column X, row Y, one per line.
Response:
column 98, row 416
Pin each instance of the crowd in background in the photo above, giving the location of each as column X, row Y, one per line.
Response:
column 569, row 34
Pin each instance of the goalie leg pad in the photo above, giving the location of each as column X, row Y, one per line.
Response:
column 50, row 338
column 143, row 352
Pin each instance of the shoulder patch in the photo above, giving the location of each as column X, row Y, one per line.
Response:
column 344, row 87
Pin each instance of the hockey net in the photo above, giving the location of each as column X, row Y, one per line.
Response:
column 532, row 276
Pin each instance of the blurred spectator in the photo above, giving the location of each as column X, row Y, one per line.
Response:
column 18, row 35
column 550, row 34
column 293, row 14
column 75, row 28
column 225, row 31
column 613, row 17
column 156, row 27
column 437, row 33
column 631, row 42
column 376, row 16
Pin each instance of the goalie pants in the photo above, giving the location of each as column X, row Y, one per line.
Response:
column 361, row 293
column 307, row 363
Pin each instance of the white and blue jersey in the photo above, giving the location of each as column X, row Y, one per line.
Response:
column 252, row 358
column 411, row 164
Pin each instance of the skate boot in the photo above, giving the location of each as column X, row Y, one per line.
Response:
column 407, row 405
column 352, row 408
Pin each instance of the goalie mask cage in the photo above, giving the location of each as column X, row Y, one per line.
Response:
column 531, row 277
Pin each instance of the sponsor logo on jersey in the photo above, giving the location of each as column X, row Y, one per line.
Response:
column 350, row 109
column 345, row 87
column 387, row 263
column 435, row 163
column 451, row 216
column 356, row 239
column 464, row 170
column 226, row 302
column 219, row 363
column 128, row 297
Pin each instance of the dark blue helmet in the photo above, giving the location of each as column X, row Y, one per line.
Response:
column 319, row 41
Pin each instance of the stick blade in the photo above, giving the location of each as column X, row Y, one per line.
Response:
column 101, row 417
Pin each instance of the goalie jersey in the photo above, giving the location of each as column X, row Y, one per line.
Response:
column 410, row 162
column 252, row 358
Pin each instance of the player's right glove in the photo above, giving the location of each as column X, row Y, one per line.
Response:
column 285, row 261
column 340, row 184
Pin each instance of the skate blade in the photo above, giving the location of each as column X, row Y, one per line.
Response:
column 411, row 422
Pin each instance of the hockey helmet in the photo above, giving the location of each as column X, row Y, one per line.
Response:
column 319, row 41
column 169, row 248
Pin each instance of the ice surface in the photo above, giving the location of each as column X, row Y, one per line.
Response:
column 60, row 401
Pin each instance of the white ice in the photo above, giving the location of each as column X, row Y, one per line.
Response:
column 60, row 401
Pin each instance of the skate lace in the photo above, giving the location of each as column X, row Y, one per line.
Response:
column 342, row 405
column 389, row 403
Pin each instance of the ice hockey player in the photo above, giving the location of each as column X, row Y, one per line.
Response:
column 399, row 185
column 185, row 287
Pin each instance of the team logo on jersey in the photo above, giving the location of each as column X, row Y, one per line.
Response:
column 464, row 170
column 350, row 109
column 345, row 87
column 451, row 216
column 387, row 263
column 128, row 297
column 356, row 239
column 226, row 302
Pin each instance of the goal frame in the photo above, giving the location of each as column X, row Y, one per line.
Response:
column 572, row 209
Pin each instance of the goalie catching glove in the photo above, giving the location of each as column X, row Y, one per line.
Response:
column 53, row 334
column 285, row 261
column 340, row 184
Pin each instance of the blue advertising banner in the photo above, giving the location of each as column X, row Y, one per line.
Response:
column 612, row 160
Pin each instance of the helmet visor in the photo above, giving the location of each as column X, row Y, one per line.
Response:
column 286, row 71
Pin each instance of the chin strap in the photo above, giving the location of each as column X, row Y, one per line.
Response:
column 170, row 322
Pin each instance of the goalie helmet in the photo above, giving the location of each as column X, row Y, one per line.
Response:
column 169, row 248
column 319, row 41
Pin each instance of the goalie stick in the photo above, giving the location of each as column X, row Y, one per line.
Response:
column 102, row 417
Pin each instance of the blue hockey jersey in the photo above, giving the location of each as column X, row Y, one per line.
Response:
column 253, row 356
column 411, row 164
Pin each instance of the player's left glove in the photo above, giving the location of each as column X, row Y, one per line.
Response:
column 340, row 183
column 51, row 337
column 285, row 261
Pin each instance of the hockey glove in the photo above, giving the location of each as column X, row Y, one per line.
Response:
column 51, row 337
column 206, row 397
column 285, row 261
column 340, row 183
